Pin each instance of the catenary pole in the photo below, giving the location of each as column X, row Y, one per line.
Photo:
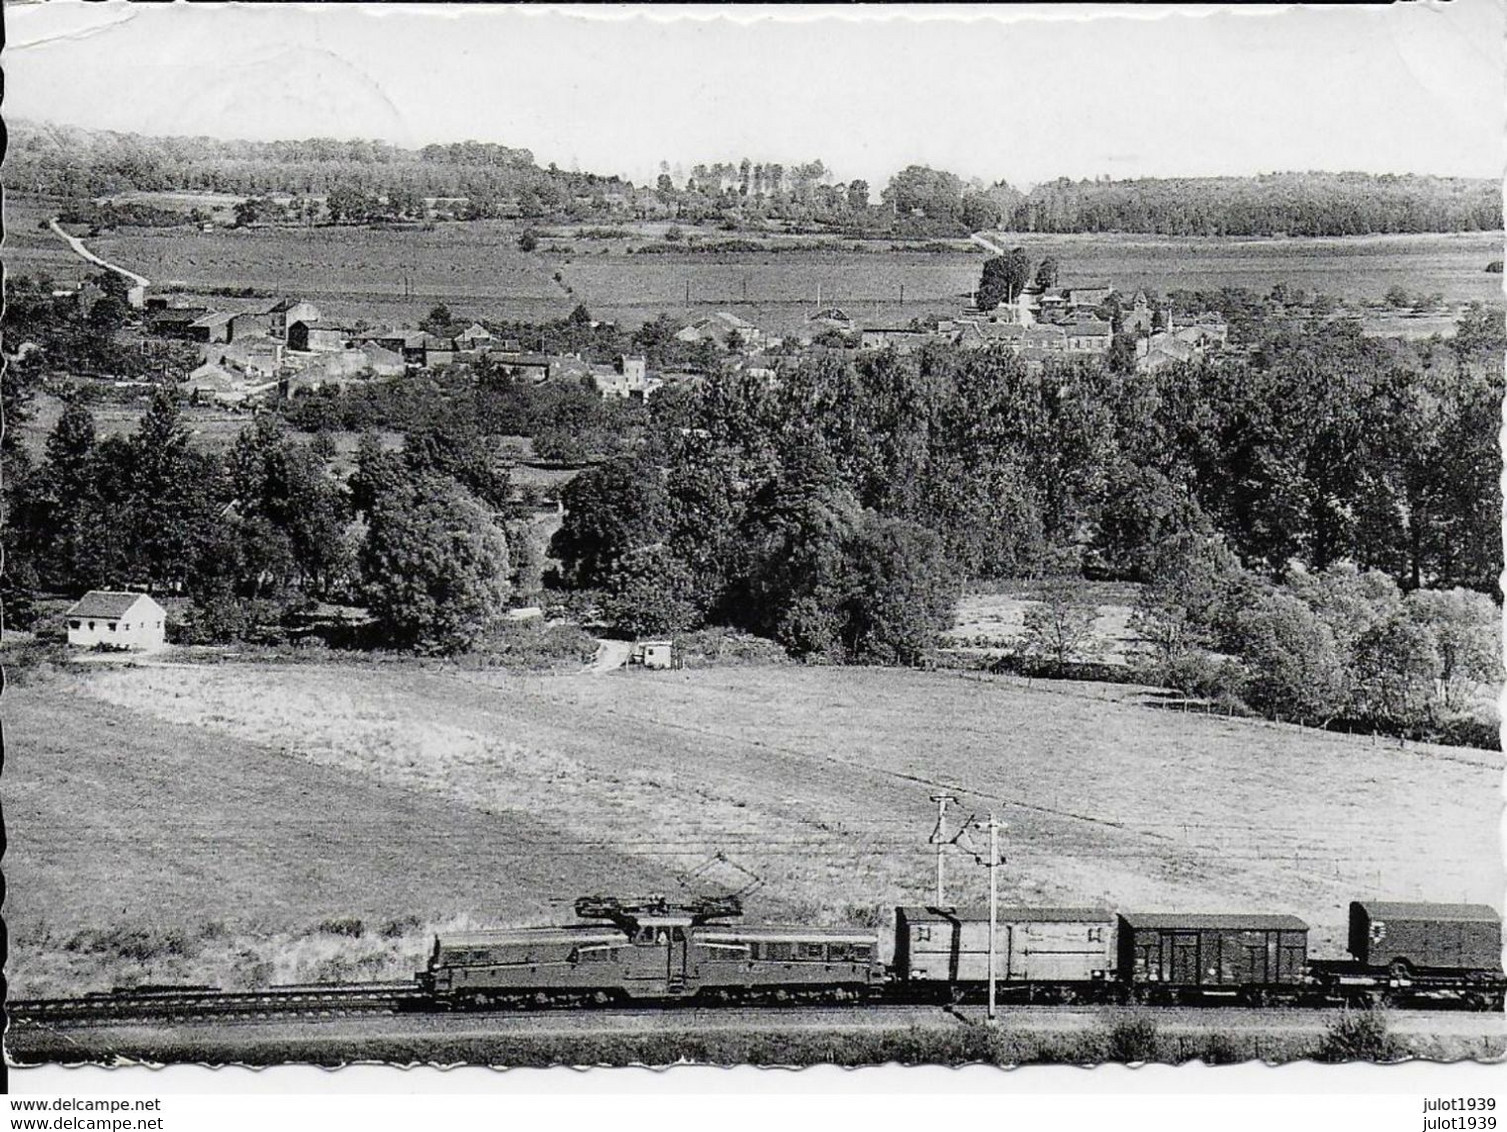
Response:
column 941, row 839
column 994, row 863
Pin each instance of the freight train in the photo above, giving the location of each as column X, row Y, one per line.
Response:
column 654, row 950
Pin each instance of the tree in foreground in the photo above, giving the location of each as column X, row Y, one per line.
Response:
column 902, row 592
column 434, row 566
column 1003, row 279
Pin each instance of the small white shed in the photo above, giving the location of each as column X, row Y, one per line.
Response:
column 117, row 619
column 655, row 654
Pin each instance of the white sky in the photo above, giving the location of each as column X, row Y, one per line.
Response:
column 1019, row 93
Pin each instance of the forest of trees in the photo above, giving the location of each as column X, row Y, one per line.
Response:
column 428, row 538
column 371, row 180
column 1264, row 501
column 69, row 162
column 839, row 510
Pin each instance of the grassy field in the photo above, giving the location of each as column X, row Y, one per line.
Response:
column 29, row 250
column 999, row 617
column 356, row 273
column 477, row 269
column 246, row 805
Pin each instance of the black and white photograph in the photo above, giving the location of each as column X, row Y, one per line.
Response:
column 827, row 536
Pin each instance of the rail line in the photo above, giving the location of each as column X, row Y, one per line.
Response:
column 186, row 1004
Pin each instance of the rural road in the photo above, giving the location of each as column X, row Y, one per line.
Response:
column 610, row 655
column 420, row 1036
column 78, row 246
column 987, row 244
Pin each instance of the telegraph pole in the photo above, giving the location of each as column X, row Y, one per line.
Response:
column 994, row 864
column 940, row 837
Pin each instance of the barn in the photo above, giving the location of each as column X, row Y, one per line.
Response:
column 116, row 619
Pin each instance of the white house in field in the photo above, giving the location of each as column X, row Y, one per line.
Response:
column 117, row 619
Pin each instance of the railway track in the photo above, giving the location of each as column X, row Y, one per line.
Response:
column 190, row 1004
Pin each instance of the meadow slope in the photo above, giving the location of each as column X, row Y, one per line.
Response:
column 270, row 798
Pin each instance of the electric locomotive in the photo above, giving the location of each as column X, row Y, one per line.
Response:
column 653, row 949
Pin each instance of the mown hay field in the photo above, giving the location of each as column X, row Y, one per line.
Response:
column 397, row 274
column 31, row 248
column 376, row 274
column 256, row 802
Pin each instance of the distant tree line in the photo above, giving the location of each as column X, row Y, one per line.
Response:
column 486, row 180
column 74, row 163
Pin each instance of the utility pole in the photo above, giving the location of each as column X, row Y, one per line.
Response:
column 993, row 863
column 940, row 839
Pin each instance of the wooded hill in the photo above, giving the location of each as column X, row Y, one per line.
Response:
column 75, row 163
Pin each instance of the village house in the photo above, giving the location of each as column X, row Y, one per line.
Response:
column 474, row 337
column 719, row 328
column 1088, row 336
column 1201, row 330
column 174, row 322
column 830, row 319
column 1091, row 294
column 533, row 367
column 1138, row 319
column 1163, row 349
column 308, row 337
column 213, row 384
column 904, row 339
column 284, row 314
column 626, row 379
column 247, row 357
column 251, row 324
column 213, row 326
column 113, row 619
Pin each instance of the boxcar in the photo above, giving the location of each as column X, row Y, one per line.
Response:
column 1426, row 938
column 1056, row 946
column 1177, row 952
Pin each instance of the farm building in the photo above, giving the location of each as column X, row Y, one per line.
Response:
column 719, row 328
column 626, row 379
column 1138, row 319
column 1201, row 330
column 116, row 619
column 252, row 324
column 317, row 337
column 174, row 322
column 903, row 338
column 282, row 316
column 250, row 357
column 655, row 655
column 1088, row 336
column 474, row 337
column 211, row 327
column 833, row 318
column 213, row 384
column 1165, row 350
column 1090, row 294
